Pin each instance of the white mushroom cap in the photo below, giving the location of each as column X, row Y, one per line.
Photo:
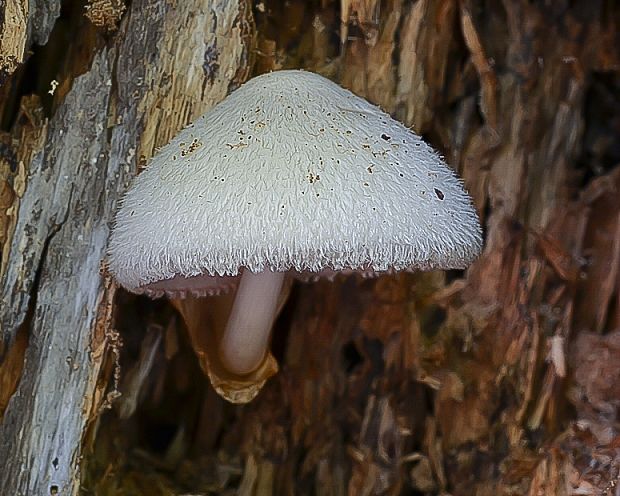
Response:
column 291, row 171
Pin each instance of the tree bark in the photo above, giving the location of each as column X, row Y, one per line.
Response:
column 23, row 23
column 137, row 92
column 499, row 380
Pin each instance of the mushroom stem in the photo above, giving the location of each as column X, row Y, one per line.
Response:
column 246, row 338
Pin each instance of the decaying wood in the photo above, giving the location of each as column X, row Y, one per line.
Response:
column 71, row 237
column 23, row 23
column 105, row 13
column 51, row 275
column 502, row 380
column 13, row 38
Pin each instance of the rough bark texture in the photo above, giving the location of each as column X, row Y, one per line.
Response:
column 22, row 24
column 58, row 222
column 503, row 380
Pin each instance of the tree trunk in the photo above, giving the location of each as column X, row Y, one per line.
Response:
column 500, row 380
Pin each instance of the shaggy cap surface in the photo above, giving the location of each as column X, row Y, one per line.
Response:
column 291, row 171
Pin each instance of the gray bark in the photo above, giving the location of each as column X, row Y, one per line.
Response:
column 63, row 230
column 139, row 91
column 43, row 15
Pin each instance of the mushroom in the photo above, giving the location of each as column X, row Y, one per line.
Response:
column 289, row 175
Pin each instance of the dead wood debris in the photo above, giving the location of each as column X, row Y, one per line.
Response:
column 502, row 380
column 105, row 13
column 13, row 36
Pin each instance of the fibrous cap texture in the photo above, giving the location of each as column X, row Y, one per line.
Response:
column 291, row 171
